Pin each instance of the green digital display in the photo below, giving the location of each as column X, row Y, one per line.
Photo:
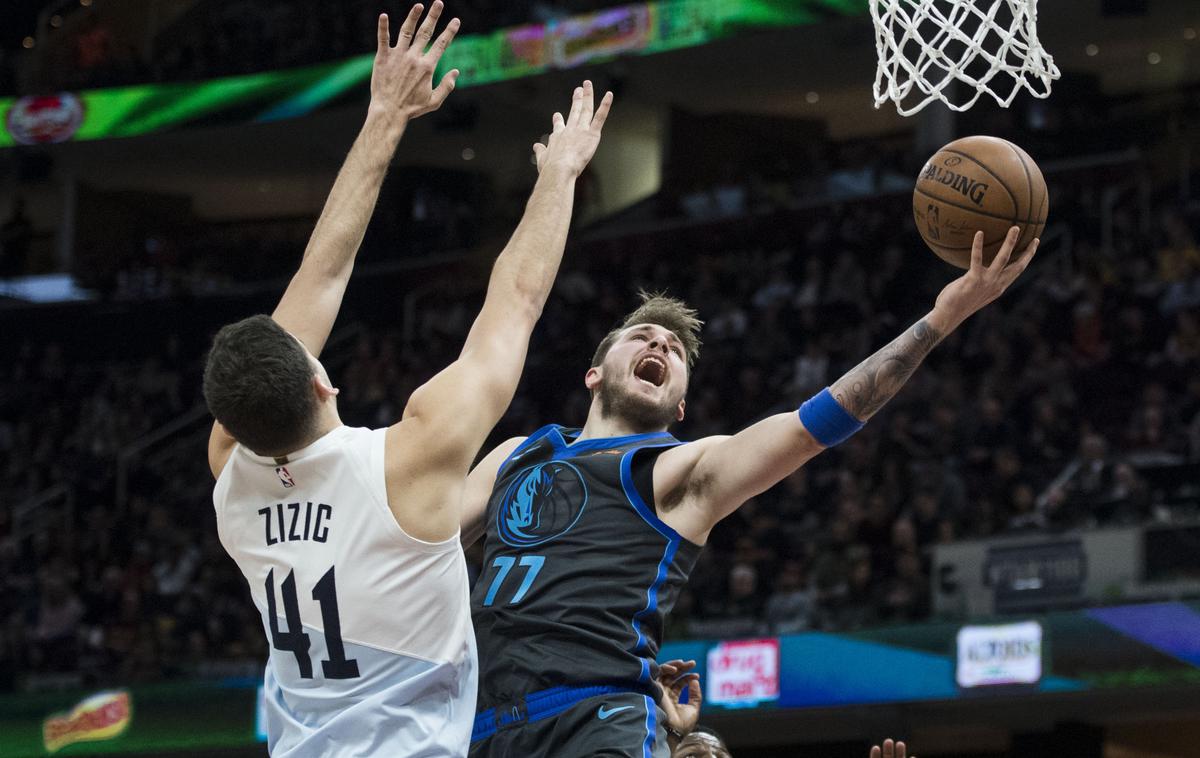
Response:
column 505, row 54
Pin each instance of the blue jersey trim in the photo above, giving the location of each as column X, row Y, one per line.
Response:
column 647, row 512
column 565, row 449
column 651, row 729
column 527, row 443
column 673, row 539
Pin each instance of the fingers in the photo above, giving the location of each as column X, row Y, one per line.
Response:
column 875, row 752
column 695, row 696
column 410, row 25
column 1015, row 269
column 385, row 35
column 1030, row 252
column 444, row 88
column 602, row 112
column 1005, row 254
column 977, row 251
column 588, row 102
column 425, row 33
column 678, row 665
column 576, row 106
column 899, row 750
column 538, row 149
column 686, row 680
column 558, row 123
column 444, row 39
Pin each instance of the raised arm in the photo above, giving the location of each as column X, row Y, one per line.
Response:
column 449, row 417
column 711, row 478
column 401, row 90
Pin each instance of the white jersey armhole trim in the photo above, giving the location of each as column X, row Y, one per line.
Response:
column 221, row 490
column 378, row 490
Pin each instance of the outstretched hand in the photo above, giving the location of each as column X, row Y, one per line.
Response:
column 673, row 677
column 983, row 284
column 573, row 140
column 402, row 75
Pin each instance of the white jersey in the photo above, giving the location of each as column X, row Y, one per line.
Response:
column 372, row 650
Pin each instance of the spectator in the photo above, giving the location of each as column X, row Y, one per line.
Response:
column 15, row 237
column 790, row 607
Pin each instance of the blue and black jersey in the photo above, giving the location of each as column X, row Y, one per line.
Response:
column 579, row 571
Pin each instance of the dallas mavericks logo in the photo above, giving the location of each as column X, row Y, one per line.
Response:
column 541, row 504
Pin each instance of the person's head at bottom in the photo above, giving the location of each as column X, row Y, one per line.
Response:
column 701, row 743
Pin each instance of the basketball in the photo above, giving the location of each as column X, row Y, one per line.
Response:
column 982, row 184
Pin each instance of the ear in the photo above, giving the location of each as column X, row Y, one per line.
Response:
column 679, row 410
column 593, row 378
column 324, row 391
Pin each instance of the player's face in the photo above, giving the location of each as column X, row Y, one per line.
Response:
column 644, row 377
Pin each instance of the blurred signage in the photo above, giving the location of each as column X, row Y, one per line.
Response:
column 1036, row 576
column 504, row 54
column 102, row 716
column 604, row 34
column 44, row 119
column 999, row 655
column 744, row 673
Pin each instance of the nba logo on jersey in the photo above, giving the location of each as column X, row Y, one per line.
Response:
column 284, row 477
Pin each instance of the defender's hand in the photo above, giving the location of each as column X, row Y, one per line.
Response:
column 983, row 284
column 573, row 141
column 890, row 750
column 402, row 76
column 673, row 676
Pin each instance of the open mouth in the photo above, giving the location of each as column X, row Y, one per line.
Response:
column 651, row 370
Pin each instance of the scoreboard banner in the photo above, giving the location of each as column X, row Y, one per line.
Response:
column 1117, row 647
column 512, row 53
column 1126, row 647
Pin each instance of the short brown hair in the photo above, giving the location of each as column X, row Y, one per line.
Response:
column 258, row 384
column 667, row 312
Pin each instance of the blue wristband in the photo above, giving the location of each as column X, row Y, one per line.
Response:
column 826, row 420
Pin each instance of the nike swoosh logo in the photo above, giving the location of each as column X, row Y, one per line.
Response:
column 606, row 712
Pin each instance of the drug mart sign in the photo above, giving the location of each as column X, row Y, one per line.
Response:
column 743, row 673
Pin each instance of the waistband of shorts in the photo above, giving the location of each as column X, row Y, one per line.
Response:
column 539, row 705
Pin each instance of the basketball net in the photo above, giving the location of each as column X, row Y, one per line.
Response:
column 925, row 46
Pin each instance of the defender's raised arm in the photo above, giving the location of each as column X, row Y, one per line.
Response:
column 401, row 89
column 448, row 418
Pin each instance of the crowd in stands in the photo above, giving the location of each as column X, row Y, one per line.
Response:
column 1038, row 414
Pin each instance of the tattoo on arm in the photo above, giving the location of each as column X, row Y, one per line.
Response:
column 870, row 384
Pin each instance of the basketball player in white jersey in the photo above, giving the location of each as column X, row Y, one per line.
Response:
column 348, row 538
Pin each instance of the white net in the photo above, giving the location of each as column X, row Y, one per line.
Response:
column 956, row 50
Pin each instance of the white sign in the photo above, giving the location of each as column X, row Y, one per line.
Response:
column 743, row 673
column 1007, row 654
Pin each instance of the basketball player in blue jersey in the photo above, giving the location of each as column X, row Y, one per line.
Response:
column 348, row 538
column 592, row 532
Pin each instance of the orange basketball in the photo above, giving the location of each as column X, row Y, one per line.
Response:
column 979, row 184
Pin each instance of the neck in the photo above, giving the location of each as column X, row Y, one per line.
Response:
column 599, row 425
column 326, row 424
